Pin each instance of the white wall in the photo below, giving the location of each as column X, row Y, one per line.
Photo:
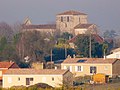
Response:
column 114, row 55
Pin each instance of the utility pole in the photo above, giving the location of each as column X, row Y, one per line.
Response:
column 65, row 51
column 90, row 46
column 51, row 58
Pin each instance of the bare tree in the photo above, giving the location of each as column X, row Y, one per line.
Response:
column 6, row 31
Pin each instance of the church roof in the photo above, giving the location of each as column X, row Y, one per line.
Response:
column 82, row 26
column 45, row 26
column 72, row 12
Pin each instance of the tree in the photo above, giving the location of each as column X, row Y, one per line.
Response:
column 6, row 31
column 109, row 34
column 117, row 42
column 3, row 43
column 34, row 44
column 66, row 35
column 104, row 48
column 82, row 43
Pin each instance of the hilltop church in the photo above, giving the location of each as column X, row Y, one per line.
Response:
column 73, row 22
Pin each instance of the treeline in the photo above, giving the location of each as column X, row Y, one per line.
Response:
column 31, row 46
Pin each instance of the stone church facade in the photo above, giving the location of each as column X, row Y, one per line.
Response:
column 66, row 21
column 73, row 22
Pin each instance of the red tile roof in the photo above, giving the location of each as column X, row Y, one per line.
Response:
column 98, row 38
column 72, row 40
column 95, row 36
column 6, row 64
column 90, row 60
column 72, row 12
column 36, row 71
column 0, row 78
column 82, row 26
column 46, row 26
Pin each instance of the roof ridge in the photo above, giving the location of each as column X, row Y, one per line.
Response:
column 71, row 12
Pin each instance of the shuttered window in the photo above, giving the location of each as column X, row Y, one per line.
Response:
column 78, row 68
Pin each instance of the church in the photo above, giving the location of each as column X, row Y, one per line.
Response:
column 71, row 21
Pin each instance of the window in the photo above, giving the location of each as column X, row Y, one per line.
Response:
column 79, row 68
column 93, row 69
column 19, row 79
column 29, row 81
column 68, row 19
column 52, row 78
column 61, row 19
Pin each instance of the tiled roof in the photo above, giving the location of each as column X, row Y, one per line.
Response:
column 72, row 40
column 82, row 26
column 98, row 38
column 46, row 26
column 95, row 36
column 6, row 64
column 72, row 12
column 0, row 78
column 90, row 60
column 36, row 71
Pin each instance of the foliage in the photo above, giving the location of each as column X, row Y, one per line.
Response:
column 35, row 45
column 82, row 43
column 3, row 43
column 59, row 53
column 117, row 42
column 104, row 48
column 66, row 35
column 6, row 31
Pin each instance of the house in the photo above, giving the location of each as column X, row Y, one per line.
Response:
column 73, row 22
column 27, row 77
column 96, row 37
column 115, row 50
column 90, row 66
column 5, row 66
column 114, row 54
column 85, row 29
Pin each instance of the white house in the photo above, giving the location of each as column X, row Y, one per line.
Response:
column 114, row 55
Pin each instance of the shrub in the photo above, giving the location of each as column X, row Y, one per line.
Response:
column 38, row 86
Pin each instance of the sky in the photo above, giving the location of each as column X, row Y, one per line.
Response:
column 104, row 13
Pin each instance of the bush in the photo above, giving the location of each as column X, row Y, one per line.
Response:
column 18, row 88
column 38, row 86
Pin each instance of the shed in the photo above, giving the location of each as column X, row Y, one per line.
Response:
column 100, row 78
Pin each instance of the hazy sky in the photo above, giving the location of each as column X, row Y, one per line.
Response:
column 104, row 13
